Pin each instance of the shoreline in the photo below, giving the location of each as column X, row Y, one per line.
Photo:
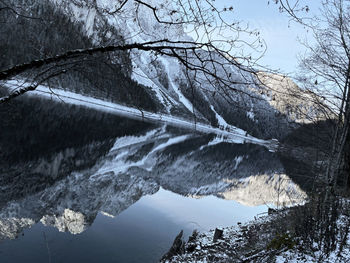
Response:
column 268, row 238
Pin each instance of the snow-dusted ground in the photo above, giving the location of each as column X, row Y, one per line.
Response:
column 238, row 244
column 231, row 134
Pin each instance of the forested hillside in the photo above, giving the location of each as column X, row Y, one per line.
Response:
column 49, row 32
column 133, row 78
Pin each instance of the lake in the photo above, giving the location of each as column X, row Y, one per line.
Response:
column 81, row 186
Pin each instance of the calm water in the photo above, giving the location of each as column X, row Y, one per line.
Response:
column 141, row 233
column 120, row 191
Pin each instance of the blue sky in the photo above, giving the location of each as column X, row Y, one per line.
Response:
column 280, row 34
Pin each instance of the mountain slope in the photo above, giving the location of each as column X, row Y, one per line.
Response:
column 169, row 79
column 141, row 79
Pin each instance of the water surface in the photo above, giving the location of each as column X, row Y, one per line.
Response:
column 122, row 194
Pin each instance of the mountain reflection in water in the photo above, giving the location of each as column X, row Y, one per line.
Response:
column 126, row 200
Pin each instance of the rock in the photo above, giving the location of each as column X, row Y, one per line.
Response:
column 217, row 234
column 177, row 248
column 271, row 211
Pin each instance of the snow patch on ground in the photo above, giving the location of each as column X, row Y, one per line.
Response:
column 236, row 246
column 238, row 160
column 224, row 124
column 173, row 69
column 251, row 115
column 144, row 76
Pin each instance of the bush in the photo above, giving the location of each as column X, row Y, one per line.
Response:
column 282, row 241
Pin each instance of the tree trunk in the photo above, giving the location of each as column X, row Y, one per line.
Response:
column 346, row 167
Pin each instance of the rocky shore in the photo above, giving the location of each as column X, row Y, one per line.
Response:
column 264, row 239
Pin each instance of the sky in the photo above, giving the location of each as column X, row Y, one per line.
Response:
column 280, row 34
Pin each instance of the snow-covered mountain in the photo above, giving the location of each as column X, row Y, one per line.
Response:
column 285, row 96
column 143, row 79
column 170, row 83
